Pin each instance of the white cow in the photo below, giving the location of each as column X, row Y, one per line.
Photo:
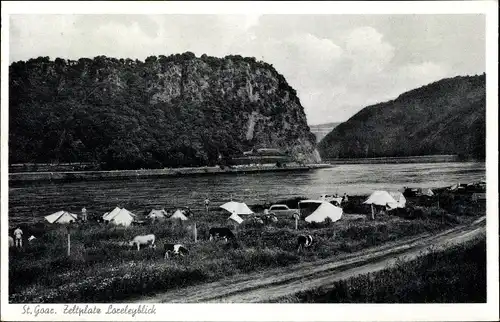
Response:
column 31, row 238
column 143, row 240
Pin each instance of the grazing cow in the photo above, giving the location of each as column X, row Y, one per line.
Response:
column 175, row 250
column 221, row 232
column 304, row 241
column 143, row 240
column 11, row 241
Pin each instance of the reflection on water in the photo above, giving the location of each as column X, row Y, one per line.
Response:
column 37, row 199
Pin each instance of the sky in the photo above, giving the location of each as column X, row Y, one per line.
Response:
column 338, row 64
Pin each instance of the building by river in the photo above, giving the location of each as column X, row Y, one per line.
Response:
column 263, row 156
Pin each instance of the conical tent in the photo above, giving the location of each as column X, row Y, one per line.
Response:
column 110, row 215
column 325, row 210
column 157, row 213
column 400, row 200
column 120, row 216
column 179, row 215
column 61, row 217
column 381, row 198
column 426, row 192
column 239, row 207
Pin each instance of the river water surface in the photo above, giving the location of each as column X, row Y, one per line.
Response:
column 32, row 200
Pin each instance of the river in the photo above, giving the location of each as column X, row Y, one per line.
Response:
column 32, row 200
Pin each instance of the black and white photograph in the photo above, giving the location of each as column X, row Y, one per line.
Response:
column 249, row 156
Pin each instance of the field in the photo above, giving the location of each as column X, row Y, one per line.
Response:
column 456, row 275
column 99, row 270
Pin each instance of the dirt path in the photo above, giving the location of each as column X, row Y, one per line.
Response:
column 275, row 283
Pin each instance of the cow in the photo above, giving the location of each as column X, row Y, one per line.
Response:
column 221, row 232
column 175, row 250
column 304, row 241
column 143, row 240
column 11, row 241
column 31, row 238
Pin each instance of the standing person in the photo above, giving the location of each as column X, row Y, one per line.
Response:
column 207, row 202
column 345, row 198
column 84, row 214
column 18, row 234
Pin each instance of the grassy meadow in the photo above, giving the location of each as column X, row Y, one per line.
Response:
column 456, row 275
column 100, row 270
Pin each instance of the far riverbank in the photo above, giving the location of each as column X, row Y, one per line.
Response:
column 396, row 160
column 168, row 172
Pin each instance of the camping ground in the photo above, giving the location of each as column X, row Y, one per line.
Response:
column 99, row 270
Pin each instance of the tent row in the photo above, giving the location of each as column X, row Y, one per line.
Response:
column 118, row 216
column 310, row 210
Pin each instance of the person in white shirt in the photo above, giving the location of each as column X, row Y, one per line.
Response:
column 207, row 202
column 84, row 214
column 18, row 237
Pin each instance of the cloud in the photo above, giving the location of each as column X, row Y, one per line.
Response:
column 337, row 63
column 423, row 73
column 368, row 52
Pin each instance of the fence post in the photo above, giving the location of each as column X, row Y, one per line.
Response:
column 373, row 213
column 195, row 233
column 69, row 243
column 296, row 223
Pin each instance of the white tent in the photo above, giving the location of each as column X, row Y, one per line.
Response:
column 323, row 211
column 61, row 217
column 154, row 214
column 111, row 214
column 381, row 198
column 400, row 200
column 178, row 214
column 119, row 216
column 426, row 192
column 239, row 207
column 236, row 218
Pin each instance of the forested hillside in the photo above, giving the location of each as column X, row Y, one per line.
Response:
column 165, row 112
column 445, row 117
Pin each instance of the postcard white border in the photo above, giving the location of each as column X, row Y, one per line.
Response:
column 281, row 312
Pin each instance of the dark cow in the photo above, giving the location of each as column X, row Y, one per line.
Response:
column 175, row 250
column 304, row 241
column 221, row 232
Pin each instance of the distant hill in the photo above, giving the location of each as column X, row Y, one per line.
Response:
column 445, row 117
column 179, row 110
column 321, row 130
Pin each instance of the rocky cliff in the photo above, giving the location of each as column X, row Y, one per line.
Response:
column 445, row 117
column 167, row 111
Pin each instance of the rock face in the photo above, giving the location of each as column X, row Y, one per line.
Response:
column 167, row 111
column 445, row 117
